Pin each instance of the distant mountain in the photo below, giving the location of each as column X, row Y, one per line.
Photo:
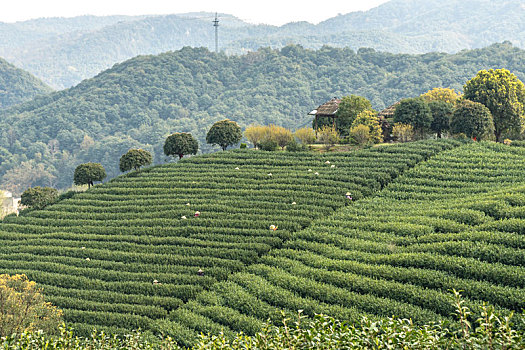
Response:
column 139, row 102
column 62, row 52
column 18, row 86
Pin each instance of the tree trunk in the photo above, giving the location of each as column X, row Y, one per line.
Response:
column 497, row 133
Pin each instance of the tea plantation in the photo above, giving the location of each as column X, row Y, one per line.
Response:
column 145, row 249
column 454, row 221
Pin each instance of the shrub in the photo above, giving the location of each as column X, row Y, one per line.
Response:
column 328, row 136
column 360, row 134
column 305, row 135
column 23, row 308
column 269, row 145
column 295, row 146
column 38, row 197
column 242, row 146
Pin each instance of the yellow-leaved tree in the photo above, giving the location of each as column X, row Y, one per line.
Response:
column 23, row 308
column 369, row 119
column 441, row 94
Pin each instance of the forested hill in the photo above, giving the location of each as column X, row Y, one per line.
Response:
column 139, row 102
column 18, row 86
column 63, row 51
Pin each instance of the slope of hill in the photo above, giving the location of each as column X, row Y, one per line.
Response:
column 127, row 253
column 139, row 102
column 17, row 86
column 62, row 52
column 454, row 221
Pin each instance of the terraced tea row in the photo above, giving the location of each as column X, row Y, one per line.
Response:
column 455, row 221
column 127, row 253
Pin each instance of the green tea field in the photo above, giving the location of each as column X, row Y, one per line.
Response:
column 145, row 249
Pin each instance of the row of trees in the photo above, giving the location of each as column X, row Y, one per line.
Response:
column 223, row 133
column 492, row 106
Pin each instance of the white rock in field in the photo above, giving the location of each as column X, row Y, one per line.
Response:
column 183, row 217
column 333, row 166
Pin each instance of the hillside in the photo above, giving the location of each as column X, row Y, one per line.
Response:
column 452, row 222
column 139, row 102
column 63, row 51
column 17, row 86
column 98, row 253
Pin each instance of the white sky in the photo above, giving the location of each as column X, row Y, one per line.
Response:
column 276, row 12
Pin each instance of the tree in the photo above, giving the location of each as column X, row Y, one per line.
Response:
column 403, row 132
column 360, row 134
column 414, row 111
column 441, row 114
column 134, row 159
column 348, row 110
column 328, row 136
column 23, row 307
column 369, row 119
column 38, row 197
column 441, row 94
column 305, row 135
column 179, row 144
column 224, row 133
column 472, row 119
column 280, row 135
column 256, row 134
column 503, row 94
column 86, row 173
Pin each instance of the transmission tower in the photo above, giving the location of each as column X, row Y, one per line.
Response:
column 216, row 25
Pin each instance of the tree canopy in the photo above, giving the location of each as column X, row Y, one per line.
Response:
column 414, row 111
column 349, row 109
column 179, row 144
column 441, row 114
column 38, row 197
column 87, row 173
column 134, row 159
column 503, row 94
column 224, row 133
column 472, row 119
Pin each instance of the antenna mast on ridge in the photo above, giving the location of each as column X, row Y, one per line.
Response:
column 216, row 25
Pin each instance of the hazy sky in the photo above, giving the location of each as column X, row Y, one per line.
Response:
column 275, row 12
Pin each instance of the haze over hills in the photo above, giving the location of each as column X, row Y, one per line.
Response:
column 139, row 102
column 18, row 86
column 62, row 52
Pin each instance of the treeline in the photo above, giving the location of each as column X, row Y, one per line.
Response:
column 17, row 86
column 138, row 103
